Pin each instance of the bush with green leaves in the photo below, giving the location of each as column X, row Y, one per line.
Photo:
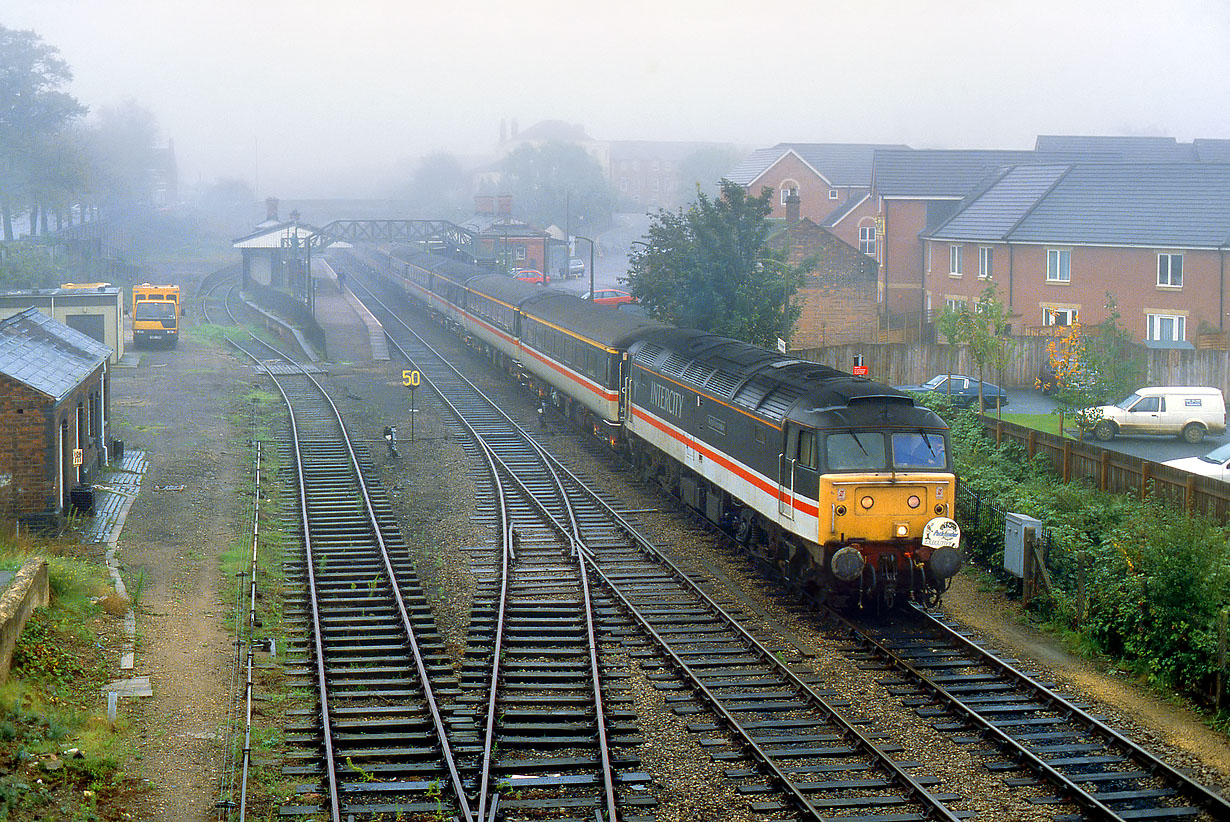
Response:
column 1157, row 577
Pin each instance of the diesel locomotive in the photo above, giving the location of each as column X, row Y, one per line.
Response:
column 842, row 482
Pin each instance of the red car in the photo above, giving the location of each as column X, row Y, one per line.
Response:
column 529, row 275
column 609, row 296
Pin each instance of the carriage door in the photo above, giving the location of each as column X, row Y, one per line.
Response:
column 623, row 379
column 785, row 471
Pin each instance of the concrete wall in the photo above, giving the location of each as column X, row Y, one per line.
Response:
column 29, row 589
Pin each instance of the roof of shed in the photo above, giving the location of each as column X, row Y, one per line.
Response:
column 1183, row 205
column 47, row 355
column 272, row 236
column 842, row 164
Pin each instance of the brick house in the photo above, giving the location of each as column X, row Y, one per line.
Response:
column 506, row 239
column 54, row 409
column 1056, row 238
column 824, row 176
column 838, row 295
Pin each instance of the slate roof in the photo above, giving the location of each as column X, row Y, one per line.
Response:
column 841, row 164
column 1212, row 151
column 855, row 200
column 1178, row 205
column 272, row 236
column 1128, row 149
column 47, row 355
column 939, row 173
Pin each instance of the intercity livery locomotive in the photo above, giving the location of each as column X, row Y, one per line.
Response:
column 842, row 482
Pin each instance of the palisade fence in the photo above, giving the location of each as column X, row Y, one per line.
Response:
column 912, row 363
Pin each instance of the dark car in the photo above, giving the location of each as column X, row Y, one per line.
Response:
column 961, row 390
column 576, row 267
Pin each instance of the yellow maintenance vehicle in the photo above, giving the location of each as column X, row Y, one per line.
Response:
column 155, row 314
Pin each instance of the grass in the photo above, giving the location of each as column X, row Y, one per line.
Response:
column 52, row 702
column 1048, row 423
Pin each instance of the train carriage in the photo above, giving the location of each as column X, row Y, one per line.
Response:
column 492, row 315
column 577, row 348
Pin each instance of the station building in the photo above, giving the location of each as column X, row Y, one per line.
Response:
column 54, row 412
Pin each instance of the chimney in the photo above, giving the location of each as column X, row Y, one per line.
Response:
column 504, row 205
column 484, row 204
column 792, row 208
column 271, row 208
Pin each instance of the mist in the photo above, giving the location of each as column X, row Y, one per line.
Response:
column 313, row 100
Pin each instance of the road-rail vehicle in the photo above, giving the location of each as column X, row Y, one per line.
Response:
column 843, row 482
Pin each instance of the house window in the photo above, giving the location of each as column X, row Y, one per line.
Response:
column 833, row 194
column 1170, row 270
column 867, row 240
column 984, row 262
column 1166, row 327
column 789, row 191
column 954, row 261
column 1058, row 265
column 520, row 253
column 1059, row 316
column 953, row 304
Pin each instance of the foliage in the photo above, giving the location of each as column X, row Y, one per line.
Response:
column 33, row 109
column 704, row 168
column 26, row 264
column 560, row 184
column 1157, row 576
column 982, row 329
column 439, row 187
column 122, row 147
column 709, row 268
column 1094, row 365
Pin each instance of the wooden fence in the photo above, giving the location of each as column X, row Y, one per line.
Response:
column 911, row 363
column 1112, row 471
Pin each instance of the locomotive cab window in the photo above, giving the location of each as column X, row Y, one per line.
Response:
column 807, row 449
column 918, row 449
column 855, row 451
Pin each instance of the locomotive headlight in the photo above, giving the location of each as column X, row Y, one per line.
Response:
column 866, row 502
column 913, row 501
column 939, row 508
column 841, row 510
column 903, row 529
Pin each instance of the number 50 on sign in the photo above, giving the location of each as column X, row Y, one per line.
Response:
column 411, row 378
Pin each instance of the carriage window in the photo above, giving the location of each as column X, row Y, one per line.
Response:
column 807, row 449
column 855, row 451
column 918, row 450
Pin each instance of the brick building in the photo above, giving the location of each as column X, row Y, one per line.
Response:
column 838, row 296
column 1056, row 238
column 54, row 408
column 824, row 176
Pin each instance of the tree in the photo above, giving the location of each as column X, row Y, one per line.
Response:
column 558, row 183
column 705, row 168
column 124, row 156
column 982, row 329
column 1094, row 365
column 439, row 187
column 33, row 109
column 709, row 268
column 25, row 264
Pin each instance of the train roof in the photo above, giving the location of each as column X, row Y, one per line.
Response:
column 505, row 289
column 453, row 269
column 756, row 379
column 603, row 324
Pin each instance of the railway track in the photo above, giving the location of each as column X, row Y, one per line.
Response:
column 790, row 746
column 375, row 741
column 1026, row 726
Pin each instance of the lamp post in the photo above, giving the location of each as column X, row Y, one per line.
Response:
column 591, row 264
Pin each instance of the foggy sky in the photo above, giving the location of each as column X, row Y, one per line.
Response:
column 328, row 98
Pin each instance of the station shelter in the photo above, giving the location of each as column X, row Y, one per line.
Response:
column 54, row 411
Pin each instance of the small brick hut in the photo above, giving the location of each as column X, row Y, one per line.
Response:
column 54, row 410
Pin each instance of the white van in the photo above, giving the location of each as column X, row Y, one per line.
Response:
column 1190, row 412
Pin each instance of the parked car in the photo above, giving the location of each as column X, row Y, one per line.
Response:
column 529, row 275
column 609, row 296
column 1183, row 410
column 1214, row 464
column 961, row 390
column 576, row 267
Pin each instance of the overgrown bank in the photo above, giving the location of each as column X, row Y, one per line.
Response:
column 1156, row 580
